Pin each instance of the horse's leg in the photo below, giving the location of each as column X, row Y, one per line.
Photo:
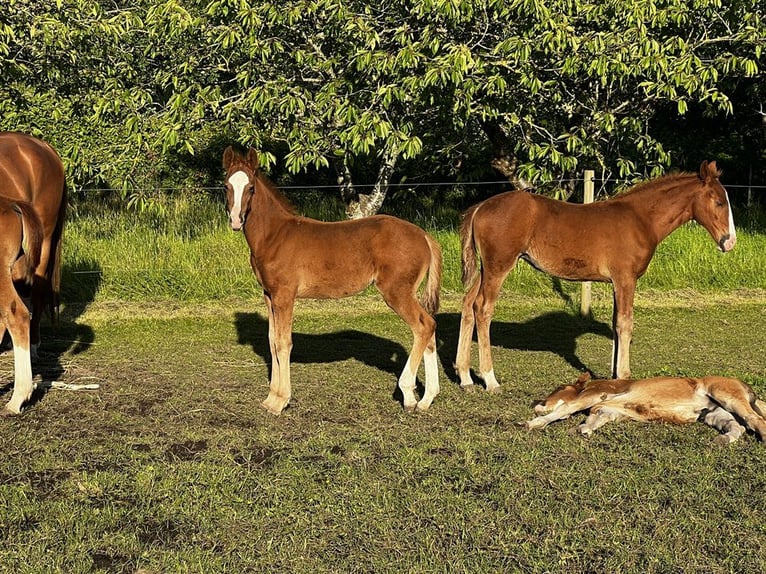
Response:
column 281, row 344
column 467, row 323
column 622, row 326
column 39, row 297
column 738, row 398
column 483, row 309
column 16, row 319
column 432, row 374
column 274, row 371
column 597, row 418
column 722, row 420
column 401, row 298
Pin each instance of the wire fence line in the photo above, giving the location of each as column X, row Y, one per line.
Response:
column 406, row 185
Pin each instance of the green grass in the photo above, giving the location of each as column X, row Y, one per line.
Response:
column 171, row 466
column 190, row 255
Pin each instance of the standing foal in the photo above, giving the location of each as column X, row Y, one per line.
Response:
column 610, row 241
column 294, row 256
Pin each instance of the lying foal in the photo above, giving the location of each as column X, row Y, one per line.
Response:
column 720, row 402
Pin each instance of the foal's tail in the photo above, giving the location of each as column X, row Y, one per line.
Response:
column 469, row 257
column 430, row 297
column 54, row 263
column 31, row 239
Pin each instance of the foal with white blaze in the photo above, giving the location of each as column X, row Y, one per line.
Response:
column 294, row 256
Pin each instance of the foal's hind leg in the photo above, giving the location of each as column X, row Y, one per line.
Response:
column 16, row 319
column 403, row 301
column 39, row 297
column 483, row 309
column 738, row 398
column 467, row 324
column 432, row 374
column 721, row 419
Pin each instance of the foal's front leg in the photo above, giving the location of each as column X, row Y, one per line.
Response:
column 622, row 326
column 281, row 344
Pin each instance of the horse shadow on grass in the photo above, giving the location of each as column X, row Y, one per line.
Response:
column 378, row 352
column 555, row 332
column 65, row 335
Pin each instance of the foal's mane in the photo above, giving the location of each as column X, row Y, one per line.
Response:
column 660, row 183
column 264, row 183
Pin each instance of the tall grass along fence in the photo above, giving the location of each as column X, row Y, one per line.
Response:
column 187, row 252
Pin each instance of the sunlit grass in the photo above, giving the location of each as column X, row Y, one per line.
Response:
column 190, row 254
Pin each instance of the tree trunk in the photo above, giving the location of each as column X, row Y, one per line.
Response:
column 359, row 204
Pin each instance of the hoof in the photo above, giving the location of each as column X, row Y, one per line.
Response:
column 5, row 412
column 495, row 390
column 274, row 407
column 422, row 407
column 410, row 408
column 468, row 388
column 722, row 440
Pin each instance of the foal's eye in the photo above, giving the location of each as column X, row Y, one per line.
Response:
column 720, row 203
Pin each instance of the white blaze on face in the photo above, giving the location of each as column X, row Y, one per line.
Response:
column 238, row 182
column 729, row 243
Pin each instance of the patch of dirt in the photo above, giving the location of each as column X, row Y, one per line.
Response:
column 188, row 450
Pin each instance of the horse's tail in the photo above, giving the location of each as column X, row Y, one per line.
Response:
column 469, row 255
column 54, row 262
column 31, row 239
column 432, row 292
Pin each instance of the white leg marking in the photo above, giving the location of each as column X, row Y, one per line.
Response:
column 432, row 380
column 724, row 421
column 490, row 381
column 407, row 386
column 22, row 387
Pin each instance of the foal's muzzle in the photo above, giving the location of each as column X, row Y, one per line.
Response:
column 727, row 243
column 236, row 220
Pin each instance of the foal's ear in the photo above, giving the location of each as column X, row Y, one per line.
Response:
column 252, row 159
column 584, row 378
column 709, row 170
column 228, row 157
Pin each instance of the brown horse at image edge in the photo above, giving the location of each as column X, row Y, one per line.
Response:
column 21, row 237
column 608, row 241
column 32, row 171
column 297, row 257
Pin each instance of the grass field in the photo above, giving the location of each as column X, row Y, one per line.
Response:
column 190, row 254
column 171, row 466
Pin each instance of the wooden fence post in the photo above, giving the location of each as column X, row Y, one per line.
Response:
column 585, row 297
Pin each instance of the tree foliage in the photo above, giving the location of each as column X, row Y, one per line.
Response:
column 133, row 93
